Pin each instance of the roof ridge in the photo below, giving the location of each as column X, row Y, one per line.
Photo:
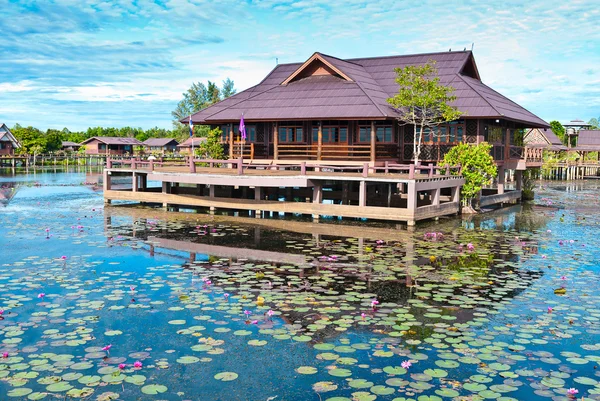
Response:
column 410, row 55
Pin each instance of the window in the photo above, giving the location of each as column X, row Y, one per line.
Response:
column 364, row 133
column 444, row 133
column 291, row 134
column 495, row 134
column 384, row 134
column 330, row 134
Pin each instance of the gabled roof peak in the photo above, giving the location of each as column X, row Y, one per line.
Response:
column 317, row 64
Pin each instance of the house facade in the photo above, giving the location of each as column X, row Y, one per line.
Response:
column 543, row 138
column 8, row 142
column 161, row 145
column 105, row 145
column 185, row 147
column 332, row 109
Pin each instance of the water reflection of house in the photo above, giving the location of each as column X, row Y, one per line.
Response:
column 7, row 192
column 272, row 246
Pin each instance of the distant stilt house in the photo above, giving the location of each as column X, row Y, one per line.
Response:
column 186, row 146
column 331, row 109
column 589, row 141
column 161, row 145
column 69, row 146
column 105, row 145
column 8, row 142
column 543, row 138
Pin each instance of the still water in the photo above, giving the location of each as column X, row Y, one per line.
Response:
column 135, row 304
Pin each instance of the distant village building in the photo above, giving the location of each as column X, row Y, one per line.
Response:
column 327, row 108
column 589, row 141
column 186, row 146
column 544, row 138
column 69, row 146
column 161, row 145
column 106, row 145
column 8, row 142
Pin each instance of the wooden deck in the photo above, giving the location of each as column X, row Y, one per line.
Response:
column 354, row 190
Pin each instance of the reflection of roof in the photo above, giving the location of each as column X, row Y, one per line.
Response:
column 160, row 141
column 188, row 142
column 110, row 140
column 325, row 87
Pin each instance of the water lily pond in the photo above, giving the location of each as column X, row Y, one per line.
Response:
column 130, row 303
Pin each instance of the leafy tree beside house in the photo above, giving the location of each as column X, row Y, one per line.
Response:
column 477, row 167
column 422, row 101
column 212, row 147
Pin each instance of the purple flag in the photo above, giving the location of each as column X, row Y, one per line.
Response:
column 243, row 128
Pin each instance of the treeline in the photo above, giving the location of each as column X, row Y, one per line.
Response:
column 37, row 141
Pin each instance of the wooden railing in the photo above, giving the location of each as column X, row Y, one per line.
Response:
column 326, row 151
column 240, row 149
column 534, row 155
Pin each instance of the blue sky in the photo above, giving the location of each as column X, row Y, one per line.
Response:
column 81, row 63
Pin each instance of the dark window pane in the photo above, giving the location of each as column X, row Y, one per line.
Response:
column 282, row 134
column 459, row 134
column 315, row 132
column 299, row 136
column 442, row 135
column 388, row 134
column 344, row 134
column 452, row 134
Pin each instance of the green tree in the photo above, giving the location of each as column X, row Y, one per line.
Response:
column 30, row 138
column 422, row 101
column 196, row 98
column 594, row 124
column 54, row 140
column 558, row 130
column 477, row 167
column 227, row 89
column 212, row 147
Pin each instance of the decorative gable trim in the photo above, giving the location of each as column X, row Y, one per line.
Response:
column 312, row 59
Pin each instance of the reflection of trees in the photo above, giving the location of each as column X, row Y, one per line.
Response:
column 7, row 192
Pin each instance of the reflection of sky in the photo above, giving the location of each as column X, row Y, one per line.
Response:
column 269, row 371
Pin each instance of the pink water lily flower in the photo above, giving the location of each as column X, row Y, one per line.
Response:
column 121, row 366
column 41, row 295
column 374, row 303
column 1, row 312
column 563, row 277
column 63, row 257
column 5, row 355
column 550, row 309
column 226, row 296
column 247, row 313
column 132, row 288
column 270, row 313
column 406, row 364
column 137, row 364
column 470, row 246
column 363, row 315
column 572, row 391
column 107, row 347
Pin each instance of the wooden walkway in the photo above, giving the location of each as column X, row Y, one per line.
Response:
column 389, row 192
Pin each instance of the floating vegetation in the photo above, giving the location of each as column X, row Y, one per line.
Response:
column 134, row 306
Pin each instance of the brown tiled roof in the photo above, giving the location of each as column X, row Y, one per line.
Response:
column 160, row 141
column 589, row 138
column 552, row 142
column 365, row 96
column 188, row 142
column 113, row 140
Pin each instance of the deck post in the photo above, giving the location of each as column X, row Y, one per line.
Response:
column 258, row 197
column 134, row 182
column 192, row 164
column 373, row 139
column 362, row 194
column 519, row 179
column 500, row 180
column 345, row 193
column 231, row 142
column 240, row 166
column 365, row 170
column 317, row 196
column 411, row 172
column 430, row 170
column 211, row 194
column 106, row 184
column 455, row 194
column 435, row 196
column 165, row 190
column 320, row 141
column 412, row 196
column 303, row 168
column 275, row 142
